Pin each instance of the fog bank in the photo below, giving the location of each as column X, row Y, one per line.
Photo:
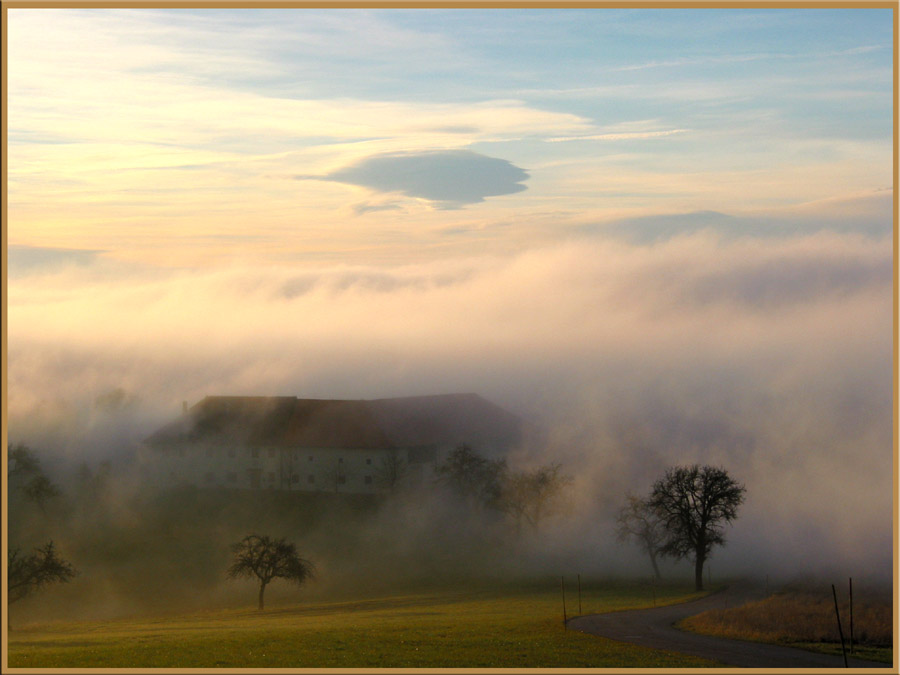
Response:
column 771, row 358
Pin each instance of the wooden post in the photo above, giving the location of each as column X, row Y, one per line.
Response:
column 840, row 630
column 851, row 615
column 565, row 619
column 579, row 604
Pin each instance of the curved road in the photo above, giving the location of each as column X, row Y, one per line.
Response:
column 654, row 628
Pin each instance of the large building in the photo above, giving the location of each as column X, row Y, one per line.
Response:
column 287, row 443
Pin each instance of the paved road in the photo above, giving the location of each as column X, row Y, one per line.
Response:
column 654, row 628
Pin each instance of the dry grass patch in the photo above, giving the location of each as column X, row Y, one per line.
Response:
column 803, row 618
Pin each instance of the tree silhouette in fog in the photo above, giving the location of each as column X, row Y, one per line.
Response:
column 25, row 473
column 638, row 520
column 473, row 477
column 391, row 473
column 694, row 503
column 530, row 496
column 268, row 559
column 28, row 574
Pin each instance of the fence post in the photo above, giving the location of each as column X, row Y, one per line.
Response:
column 840, row 630
column 851, row 615
column 579, row 604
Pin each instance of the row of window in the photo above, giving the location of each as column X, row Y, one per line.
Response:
column 231, row 477
column 255, row 453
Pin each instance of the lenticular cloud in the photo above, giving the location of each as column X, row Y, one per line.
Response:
column 451, row 178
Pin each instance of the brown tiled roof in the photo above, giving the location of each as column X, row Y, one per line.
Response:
column 286, row 421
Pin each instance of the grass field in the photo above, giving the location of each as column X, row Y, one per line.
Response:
column 806, row 620
column 507, row 626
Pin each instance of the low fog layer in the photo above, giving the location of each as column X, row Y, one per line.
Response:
column 768, row 357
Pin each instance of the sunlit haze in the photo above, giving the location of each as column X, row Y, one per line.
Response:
column 658, row 236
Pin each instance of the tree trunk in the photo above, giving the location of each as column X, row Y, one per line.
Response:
column 698, row 573
column 655, row 566
column 262, row 589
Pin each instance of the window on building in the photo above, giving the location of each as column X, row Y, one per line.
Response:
column 310, row 458
column 310, row 479
column 271, row 476
column 210, row 477
column 368, row 480
column 271, row 452
column 340, row 460
column 295, row 478
column 254, row 453
column 232, row 477
column 368, row 460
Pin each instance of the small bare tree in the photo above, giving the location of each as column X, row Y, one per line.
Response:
column 25, row 473
column 476, row 479
column 268, row 559
column 532, row 495
column 391, row 473
column 28, row 574
column 638, row 520
column 336, row 476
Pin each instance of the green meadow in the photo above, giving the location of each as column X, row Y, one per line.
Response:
column 498, row 626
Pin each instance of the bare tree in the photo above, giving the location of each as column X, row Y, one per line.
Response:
column 336, row 475
column 392, row 472
column 268, row 559
column 25, row 473
column 638, row 520
column 21, row 461
column 532, row 495
column 473, row 477
column 694, row 502
column 28, row 574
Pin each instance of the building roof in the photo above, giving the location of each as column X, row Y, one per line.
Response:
column 287, row 421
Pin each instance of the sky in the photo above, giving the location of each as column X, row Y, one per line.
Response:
column 664, row 235
column 188, row 137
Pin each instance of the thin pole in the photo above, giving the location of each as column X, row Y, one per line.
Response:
column 579, row 603
column 851, row 615
column 565, row 619
column 840, row 630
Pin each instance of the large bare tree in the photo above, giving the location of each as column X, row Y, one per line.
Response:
column 695, row 503
column 267, row 559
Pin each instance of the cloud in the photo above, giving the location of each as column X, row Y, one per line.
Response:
column 624, row 136
column 369, row 207
column 24, row 260
column 869, row 214
column 449, row 178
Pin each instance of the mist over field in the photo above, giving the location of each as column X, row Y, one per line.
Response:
column 658, row 237
column 768, row 357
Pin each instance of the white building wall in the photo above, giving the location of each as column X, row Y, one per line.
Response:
column 300, row 469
